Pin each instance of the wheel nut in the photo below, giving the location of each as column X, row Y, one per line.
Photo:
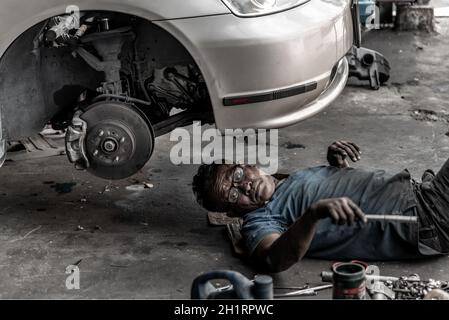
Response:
column 109, row 146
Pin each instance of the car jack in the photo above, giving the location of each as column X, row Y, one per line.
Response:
column 367, row 64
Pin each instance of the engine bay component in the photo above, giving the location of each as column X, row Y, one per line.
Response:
column 118, row 142
column 179, row 86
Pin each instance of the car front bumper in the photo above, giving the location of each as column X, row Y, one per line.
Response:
column 262, row 56
column 332, row 91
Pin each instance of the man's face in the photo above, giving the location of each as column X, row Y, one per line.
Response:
column 244, row 188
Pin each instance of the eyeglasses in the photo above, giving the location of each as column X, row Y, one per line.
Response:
column 237, row 177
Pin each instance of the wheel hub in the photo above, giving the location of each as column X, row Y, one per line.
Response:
column 110, row 143
column 117, row 143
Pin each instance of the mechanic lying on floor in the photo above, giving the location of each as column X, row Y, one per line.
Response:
column 286, row 217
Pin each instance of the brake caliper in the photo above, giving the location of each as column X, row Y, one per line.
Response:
column 75, row 142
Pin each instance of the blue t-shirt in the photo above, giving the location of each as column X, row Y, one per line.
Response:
column 374, row 192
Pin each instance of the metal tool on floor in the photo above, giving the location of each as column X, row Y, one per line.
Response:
column 397, row 288
column 327, row 276
column 261, row 288
column 304, row 292
column 356, row 280
column 349, row 281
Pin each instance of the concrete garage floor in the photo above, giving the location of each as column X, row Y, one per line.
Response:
column 152, row 243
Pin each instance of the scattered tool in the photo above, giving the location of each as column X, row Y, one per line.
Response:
column 349, row 280
column 292, row 288
column 241, row 287
column 370, row 65
column 327, row 276
column 410, row 287
column 304, row 292
column 392, row 218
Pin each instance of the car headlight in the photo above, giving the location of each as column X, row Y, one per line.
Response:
column 252, row 8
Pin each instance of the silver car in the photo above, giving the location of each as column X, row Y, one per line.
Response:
column 116, row 74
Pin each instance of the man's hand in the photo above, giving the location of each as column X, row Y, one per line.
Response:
column 339, row 151
column 340, row 210
column 278, row 252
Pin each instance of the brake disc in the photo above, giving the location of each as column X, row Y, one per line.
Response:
column 119, row 140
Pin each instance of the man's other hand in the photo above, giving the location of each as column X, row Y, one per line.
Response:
column 340, row 210
column 339, row 151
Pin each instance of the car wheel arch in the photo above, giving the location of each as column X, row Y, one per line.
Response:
column 147, row 16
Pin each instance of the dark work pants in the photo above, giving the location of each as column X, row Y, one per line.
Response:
column 433, row 209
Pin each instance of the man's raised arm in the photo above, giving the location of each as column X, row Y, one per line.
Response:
column 339, row 152
column 279, row 252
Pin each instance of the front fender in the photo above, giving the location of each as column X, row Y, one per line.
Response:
column 22, row 92
column 17, row 16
